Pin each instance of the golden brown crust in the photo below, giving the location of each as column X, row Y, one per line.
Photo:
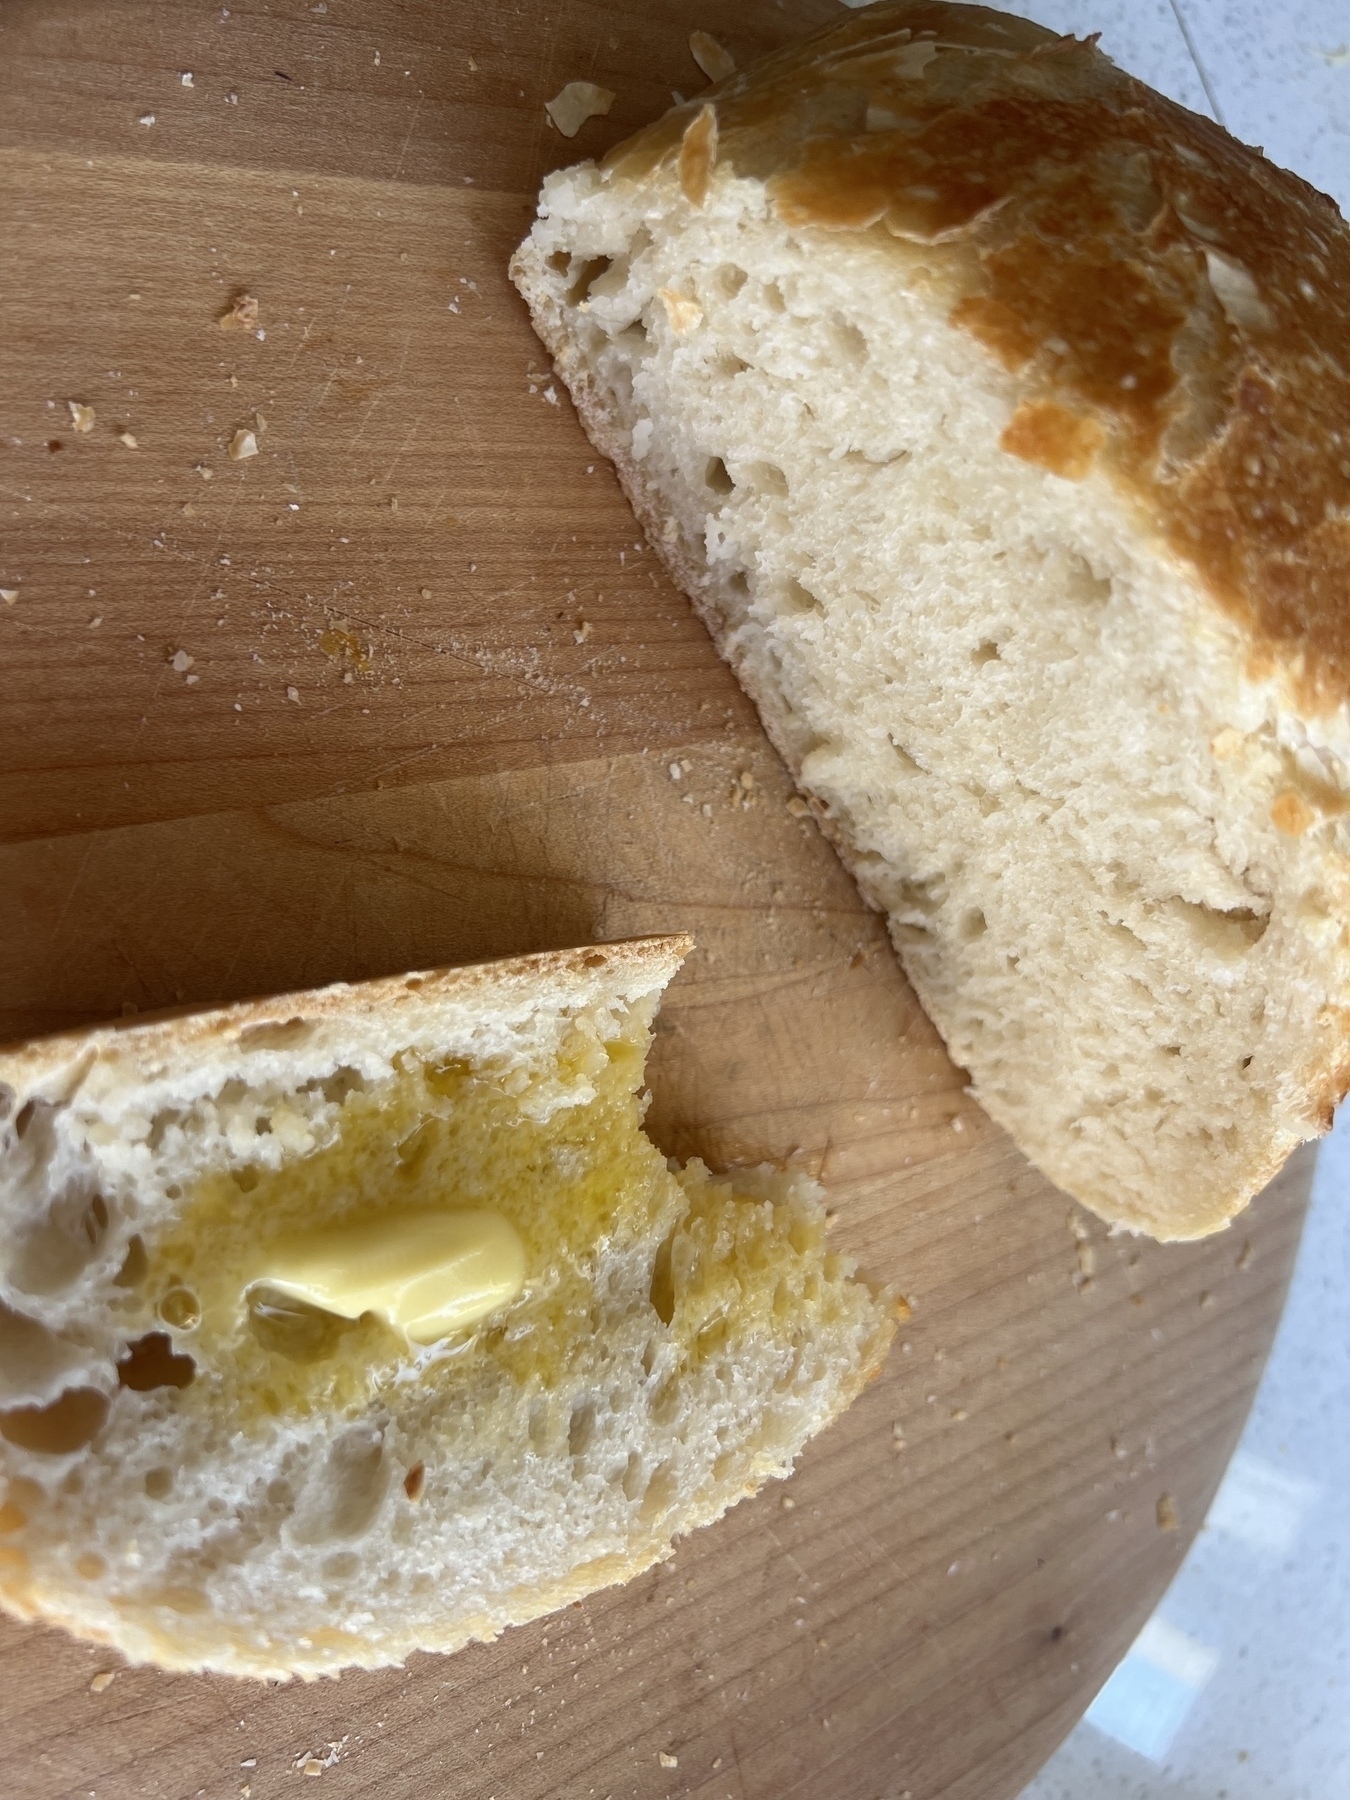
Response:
column 1138, row 268
column 151, row 1035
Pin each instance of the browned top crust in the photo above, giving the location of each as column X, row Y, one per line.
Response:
column 1176, row 307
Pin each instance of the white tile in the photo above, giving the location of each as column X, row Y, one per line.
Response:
column 1151, row 1692
column 1281, row 76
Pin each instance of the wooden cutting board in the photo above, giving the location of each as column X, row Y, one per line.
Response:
column 405, row 688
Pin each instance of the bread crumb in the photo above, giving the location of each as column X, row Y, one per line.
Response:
column 125, row 437
column 582, row 632
column 293, row 695
column 959, row 1413
column 415, row 1481
column 1291, row 814
column 684, row 314
column 715, row 62
column 311, row 1766
column 901, row 1308
column 1169, row 1519
column 425, row 593
column 797, row 806
column 572, row 105
column 9, row 595
column 102, row 1681
column 81, row 416
column 787, row 1503
column 146, row 119
column 241, row 314
column 180, row 662
column 666, row 1760
column 186, row 78
column 243, row 444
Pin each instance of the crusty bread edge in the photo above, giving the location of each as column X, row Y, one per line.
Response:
column 626, row 968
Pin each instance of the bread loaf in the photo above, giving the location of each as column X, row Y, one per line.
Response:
column 994, row 412
column 205, row 1467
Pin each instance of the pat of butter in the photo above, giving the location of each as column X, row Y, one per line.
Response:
column 427, row 1274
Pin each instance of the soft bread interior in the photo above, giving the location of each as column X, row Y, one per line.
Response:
column 1035, row 741
column 206, row 1482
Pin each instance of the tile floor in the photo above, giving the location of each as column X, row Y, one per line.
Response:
column 1239, row 1686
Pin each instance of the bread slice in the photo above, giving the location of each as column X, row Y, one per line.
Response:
column 208, row 1477
column 994, row 412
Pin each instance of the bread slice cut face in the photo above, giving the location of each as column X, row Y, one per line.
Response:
column 236, row 1432
column 995, row 414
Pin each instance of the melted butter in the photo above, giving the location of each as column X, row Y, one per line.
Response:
column 426, row 1274
column 437, row 1149
column 437, row 1141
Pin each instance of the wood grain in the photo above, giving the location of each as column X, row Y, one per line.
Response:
column 442, row 705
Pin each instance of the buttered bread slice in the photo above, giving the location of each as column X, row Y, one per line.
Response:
column 368, row 1320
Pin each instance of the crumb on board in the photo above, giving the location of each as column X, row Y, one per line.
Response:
column 81, row 416
column 715, row 61
column 102, row 1681
column 243, row 444
column 185, row 78
column 341, row 645
column 9, row 595
column 241, row 314
column 1169, row 1519
column 572, row 105
column 146, row 119
column 180, row 662
column 125, row 437
column 666, row 1760
column 797, row 806
column 293, row 695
